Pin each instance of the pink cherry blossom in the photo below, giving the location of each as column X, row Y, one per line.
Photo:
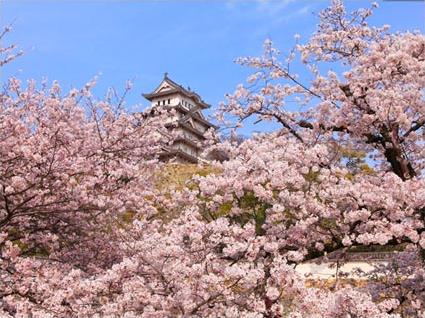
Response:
column 85, row 230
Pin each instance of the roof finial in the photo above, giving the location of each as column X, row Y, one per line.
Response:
column 166, row 75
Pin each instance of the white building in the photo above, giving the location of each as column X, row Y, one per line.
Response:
column 189, row 124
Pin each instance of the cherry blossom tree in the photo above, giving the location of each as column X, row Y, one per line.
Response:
column 72, row 168
column 375, row 108
column 81, row 227
column 377, row 103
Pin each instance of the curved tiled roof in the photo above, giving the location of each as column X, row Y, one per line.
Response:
column 177, row 88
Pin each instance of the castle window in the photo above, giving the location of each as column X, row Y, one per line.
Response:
column 158, row 102
column 163, row 102
column 168, row 101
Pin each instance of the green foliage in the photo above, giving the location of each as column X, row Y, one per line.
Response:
column 224, row 209
column 254, row 209
column 27, row 250
column 22, row 246
column 329, row 224
column 312, row 176
column 128, row 217
column 355, row 162
column 260, row 219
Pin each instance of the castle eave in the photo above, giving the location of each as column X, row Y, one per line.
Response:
column 191, row 129
column 200, row 119
column 178, row 153
column 187, row 141
column 176, row 89
column 151, row 96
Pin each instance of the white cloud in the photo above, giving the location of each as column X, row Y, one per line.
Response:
column 289, row 15
column 278, row 11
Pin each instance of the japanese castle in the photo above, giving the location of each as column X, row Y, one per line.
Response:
column 189, row 124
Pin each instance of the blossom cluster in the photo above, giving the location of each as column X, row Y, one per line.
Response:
column 83, row 231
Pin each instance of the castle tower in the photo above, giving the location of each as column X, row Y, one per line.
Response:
column 189, row 124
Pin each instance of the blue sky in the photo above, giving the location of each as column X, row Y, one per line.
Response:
column 196, row 41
